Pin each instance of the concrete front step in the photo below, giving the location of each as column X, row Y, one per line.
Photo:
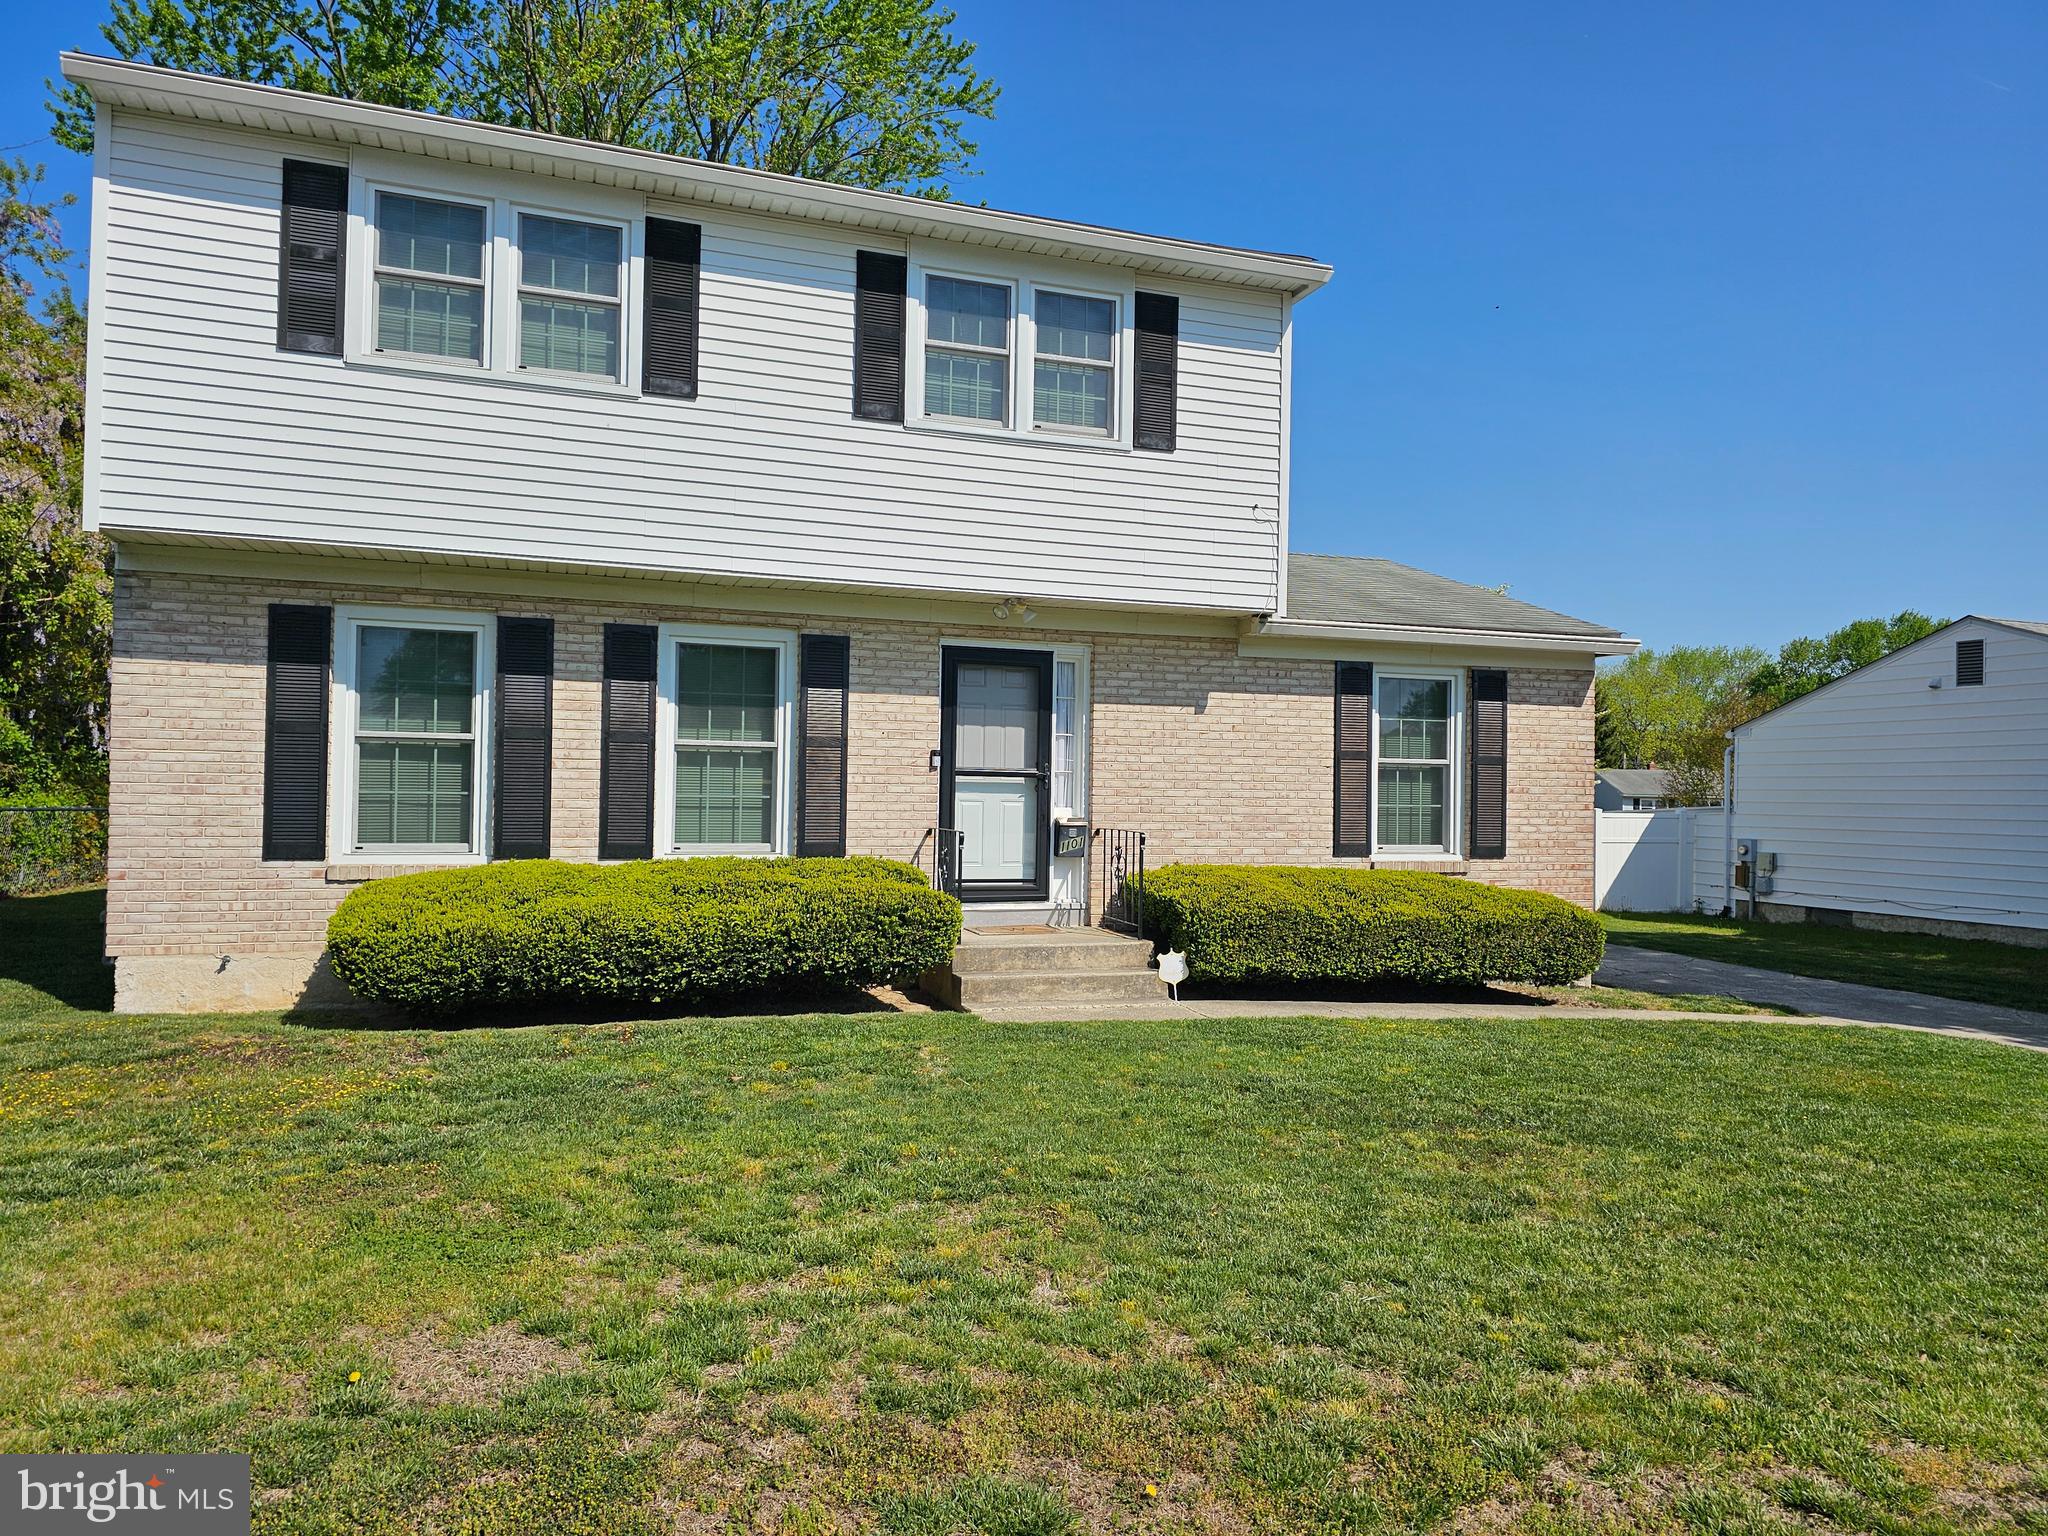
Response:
column 1050, row 949
column 1047, row 967
column 1057, row 988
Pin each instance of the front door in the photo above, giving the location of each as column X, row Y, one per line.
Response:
column 995, row 763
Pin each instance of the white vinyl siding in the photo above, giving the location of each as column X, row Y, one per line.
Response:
column 1883, row 794
column 202, row 428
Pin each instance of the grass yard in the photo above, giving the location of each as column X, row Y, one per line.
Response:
column 1970, row 969
column 922, row 1275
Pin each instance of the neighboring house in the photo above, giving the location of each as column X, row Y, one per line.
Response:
column 483, row 494
column 1910, row 793
column 1632, row 789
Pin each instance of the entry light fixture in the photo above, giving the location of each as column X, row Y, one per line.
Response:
column 1016, row 606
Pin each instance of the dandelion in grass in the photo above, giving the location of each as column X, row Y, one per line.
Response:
column 354, row 1377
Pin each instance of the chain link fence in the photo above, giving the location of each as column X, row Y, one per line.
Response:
column 50, row 847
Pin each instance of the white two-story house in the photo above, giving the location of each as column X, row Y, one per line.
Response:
column 480, row 494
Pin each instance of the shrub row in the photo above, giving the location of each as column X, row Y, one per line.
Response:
column 45, row 847
column 1241, row 922
column 656, row 931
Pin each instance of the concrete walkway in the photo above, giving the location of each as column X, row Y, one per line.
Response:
column 1641, row 970
column 1828, row 1002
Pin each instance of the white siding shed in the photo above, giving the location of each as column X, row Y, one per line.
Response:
column 1898, row 791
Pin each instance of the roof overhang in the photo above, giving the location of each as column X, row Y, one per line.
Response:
column 1440, row 635
column 341, row 123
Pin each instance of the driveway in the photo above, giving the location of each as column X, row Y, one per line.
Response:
column 1830, row 1002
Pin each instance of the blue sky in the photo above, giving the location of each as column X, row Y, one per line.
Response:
column 1717, row 322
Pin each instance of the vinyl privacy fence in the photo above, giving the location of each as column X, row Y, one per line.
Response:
column 1660, row 861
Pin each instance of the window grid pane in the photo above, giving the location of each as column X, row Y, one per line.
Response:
column 419, row 235
column 1069, row 395
column 1411, row 807
column 415, row 680
column 414, row 793
column 1063, row 690
column 724, row 797
column 565, row 337
column 1072, row 326
column 1415, row 719
column 725, row 693
column 964, row 385
column 568, row 256
column 432, row 319
column 967, row 314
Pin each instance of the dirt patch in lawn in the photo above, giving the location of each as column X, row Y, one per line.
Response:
column 473, row 1371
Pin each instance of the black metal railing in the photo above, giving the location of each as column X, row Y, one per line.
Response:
column 1123, row 879
column 949, row 850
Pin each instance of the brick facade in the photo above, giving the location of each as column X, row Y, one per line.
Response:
column 1216, row 756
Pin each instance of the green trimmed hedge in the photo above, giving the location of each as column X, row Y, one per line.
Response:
column 669, row 931
column 1241, row 922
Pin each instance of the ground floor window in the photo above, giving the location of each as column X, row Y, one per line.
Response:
column 726, row 707
column 1416, row 792
column 414, row 706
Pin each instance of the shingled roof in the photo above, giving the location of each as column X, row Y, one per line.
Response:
column 1352, row 589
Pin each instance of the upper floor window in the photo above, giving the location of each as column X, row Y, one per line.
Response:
column 569, row 296
column 430, row 280
column 966, row 349
column 1074, row 371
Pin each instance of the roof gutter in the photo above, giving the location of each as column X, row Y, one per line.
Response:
column 1429, row 634
column 148, row 87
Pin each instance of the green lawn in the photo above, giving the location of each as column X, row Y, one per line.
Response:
column 921, row 1274
column 1970, row 969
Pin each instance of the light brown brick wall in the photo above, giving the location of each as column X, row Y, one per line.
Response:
column 1217, row 757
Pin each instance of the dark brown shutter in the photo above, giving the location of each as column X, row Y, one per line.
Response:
column 1157, row 416
column 1489, row 764
column 625, row 791
column 1352, row 786
column 669, row 335
column 525, row 738
column 295, row 732
column 1969, row 663
column 879, row 281
column 311, row 257
column 823, row 666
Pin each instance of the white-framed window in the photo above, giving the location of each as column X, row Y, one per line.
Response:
column 477, row 272
column 572, row 280
column 967, row 334
column 431, row 280
column 412, row 760
column 723, row 777
column 1415, row 748
column 1019, row 351
column 1074, row 362
column 1066, row 737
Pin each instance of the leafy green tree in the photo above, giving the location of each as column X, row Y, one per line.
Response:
column 55, row 587
column 1804, row 664
column 1672, row 710
column 873, row 93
